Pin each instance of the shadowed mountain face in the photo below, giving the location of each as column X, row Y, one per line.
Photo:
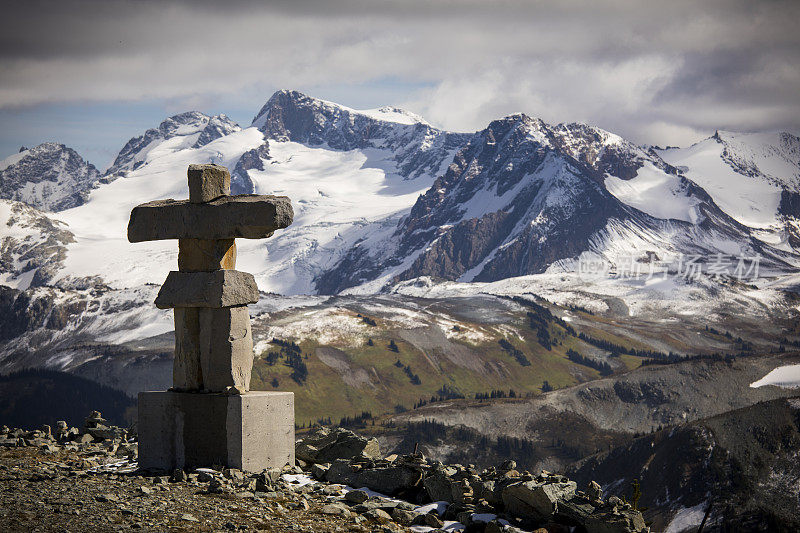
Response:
column 742, row 463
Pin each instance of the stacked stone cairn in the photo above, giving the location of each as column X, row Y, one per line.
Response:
column 213, row 339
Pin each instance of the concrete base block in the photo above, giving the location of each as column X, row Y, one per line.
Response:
column 252, row 431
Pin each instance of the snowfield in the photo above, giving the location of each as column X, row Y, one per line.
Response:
column 656, row 193
column 752, row 200
column 787, row 377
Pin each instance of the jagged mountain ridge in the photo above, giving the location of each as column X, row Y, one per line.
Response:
column 50, row 177
column 419, row 148
column 517, row 198
column 523, row 195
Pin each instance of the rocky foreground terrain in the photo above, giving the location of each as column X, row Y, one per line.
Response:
column 71, row 479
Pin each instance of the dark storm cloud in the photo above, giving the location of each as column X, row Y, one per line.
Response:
column 652, row 71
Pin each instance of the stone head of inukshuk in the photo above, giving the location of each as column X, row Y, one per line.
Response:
column 213, row 339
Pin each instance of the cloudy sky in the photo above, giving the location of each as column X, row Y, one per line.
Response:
column 92, row 74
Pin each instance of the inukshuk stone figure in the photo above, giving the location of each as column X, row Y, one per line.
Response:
column 213, row 339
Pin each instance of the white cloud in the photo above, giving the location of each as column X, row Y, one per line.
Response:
column 638, row 69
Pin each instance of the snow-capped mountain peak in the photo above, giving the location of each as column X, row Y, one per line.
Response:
column 50, row 177
column 753, row 177
column 381, row 196
column 185, row 130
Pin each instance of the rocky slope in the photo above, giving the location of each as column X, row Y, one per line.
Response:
column 88, row 479
column 742, row 464
column 49, row 177
column 418, row 149
column 33, row 246
column 638, row 402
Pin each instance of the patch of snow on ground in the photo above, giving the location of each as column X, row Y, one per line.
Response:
column 787, row 377
column 687, row 518
column 298, row 480
column 340, row 198
column 335, row 325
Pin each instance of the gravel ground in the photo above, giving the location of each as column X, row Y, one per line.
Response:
column 56, row 491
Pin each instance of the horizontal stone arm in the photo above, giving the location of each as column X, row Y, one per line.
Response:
column 221, row 288
column 249, row 216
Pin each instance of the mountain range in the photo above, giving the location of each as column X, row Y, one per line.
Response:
column 382, row 196
column 387, row 203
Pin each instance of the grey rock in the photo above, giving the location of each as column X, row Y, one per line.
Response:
column 488, row 490
column 336, row 509
column 403, row 517
column 340, row 471
column 221, row 288
column 319, row 471
column 325, row 445
column 576, row 510
column 378, row 515
column 431, row 520
column 439, row 484
column 623, row 521
column 249, row 216
column 208, row 182
column 594, row 491
column 389, row 480
column 530, row 499
column 356, row 496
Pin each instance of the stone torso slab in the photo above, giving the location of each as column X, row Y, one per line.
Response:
column 220, row 288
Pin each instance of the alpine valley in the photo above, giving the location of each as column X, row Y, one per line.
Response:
column 555, row 293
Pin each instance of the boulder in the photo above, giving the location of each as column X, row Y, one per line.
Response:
column 621, row 521
column 403, row 517
column 379, row 516
column 594, row 491
column 341, row 471
column 208, row 182
column 531, row 499
column 325, row 445
column 389, row 480
column 336, row 509
column 319, row 471
column 439, row 484
column 356, row 496
column 574, row 511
